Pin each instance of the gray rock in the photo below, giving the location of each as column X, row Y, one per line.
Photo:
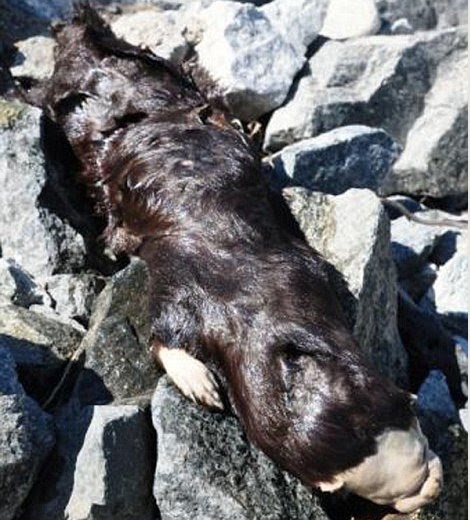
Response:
column 412, row 243
column 421, row 14
column 101, row 467
column 119, row 448
column 246, row 57
column 307, row 16
column 73, row 294
column 434, row 397
column 376, row 81
column 18, row 286
column 347, row 157
column 434, row 160
column 451, row 13
column 425, row 14
column 352, row 232
column 35, row 58
column 26, row 437
column 451, row 287
column 453, row 501
column 116, row 344
column 206, row 469
column 162, row 32
column 40, row 346
column 30, row 233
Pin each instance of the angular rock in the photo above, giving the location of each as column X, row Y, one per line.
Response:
column 18, row 287
column 344, row 158
column 451, row 293
column 101, row 467
column 421, row 14
column 376, row 81
column 307, row 16
column 251, row 63
column 35, row 58
column 434, row 160
column 116, row 344
column 412, row 243
column 26, row 437
column 118, row 445
column 352, row 232
column 425, row 14
column 206, row 469
column 350, row 19
column 39, row 345
column 73, row 294
column 160, row 31
column 30, row 233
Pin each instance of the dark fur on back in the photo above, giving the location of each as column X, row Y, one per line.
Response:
column 183, row 190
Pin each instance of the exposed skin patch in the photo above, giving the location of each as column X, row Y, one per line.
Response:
column 193, row 378
column 403, row 473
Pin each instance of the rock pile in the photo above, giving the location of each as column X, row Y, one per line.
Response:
column 360, row 126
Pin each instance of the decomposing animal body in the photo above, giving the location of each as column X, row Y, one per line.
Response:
column 182, row 189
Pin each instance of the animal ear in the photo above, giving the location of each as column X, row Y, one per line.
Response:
column 336, row 484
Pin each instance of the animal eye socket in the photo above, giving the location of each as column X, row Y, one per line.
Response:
column 290, row 357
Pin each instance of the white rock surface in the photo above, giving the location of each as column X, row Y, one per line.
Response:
column 249, row 60
column 160, row 31
column 35, row 58
column 350, row 19
column 451, row 292
column 299, row 21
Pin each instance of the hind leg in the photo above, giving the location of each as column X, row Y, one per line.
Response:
column 193, row 378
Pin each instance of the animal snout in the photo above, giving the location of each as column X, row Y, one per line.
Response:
column 428, row 492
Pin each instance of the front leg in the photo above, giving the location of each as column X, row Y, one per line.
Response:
column 193, row 378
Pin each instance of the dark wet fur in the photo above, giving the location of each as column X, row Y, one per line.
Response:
column 183, row 190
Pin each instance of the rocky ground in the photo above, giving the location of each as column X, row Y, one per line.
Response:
column 353, row 114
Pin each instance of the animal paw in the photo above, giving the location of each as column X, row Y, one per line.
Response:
column 193, row 378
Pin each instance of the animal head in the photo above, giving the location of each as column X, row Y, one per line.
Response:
column 336, row 424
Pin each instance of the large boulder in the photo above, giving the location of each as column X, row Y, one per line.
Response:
column 249, row 62
column 207, row 470
column 118, row 445
column 347, row 157
column 352, row 232
column 101, row 468
column 26, row 438
column 118, row 364
column 434, row 160
column 31, row 233
column 379, row 81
